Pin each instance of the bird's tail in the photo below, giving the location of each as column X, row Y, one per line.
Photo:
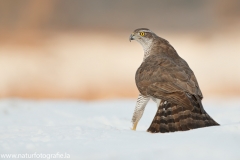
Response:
column 171, row 117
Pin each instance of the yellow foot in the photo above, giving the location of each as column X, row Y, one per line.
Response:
column 134, row 126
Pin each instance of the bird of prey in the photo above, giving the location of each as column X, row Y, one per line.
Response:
column 167, row 79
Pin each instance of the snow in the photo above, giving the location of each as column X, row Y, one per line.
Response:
column 101, row 130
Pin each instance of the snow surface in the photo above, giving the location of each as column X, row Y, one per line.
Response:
column 101, row 130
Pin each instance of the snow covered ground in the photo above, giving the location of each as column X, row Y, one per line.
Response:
column 101, row 130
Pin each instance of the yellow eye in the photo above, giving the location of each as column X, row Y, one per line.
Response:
column 142, row 34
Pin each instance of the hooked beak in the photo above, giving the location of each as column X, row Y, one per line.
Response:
column 131, row 37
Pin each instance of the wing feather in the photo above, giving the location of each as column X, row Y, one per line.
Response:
column 162, row 77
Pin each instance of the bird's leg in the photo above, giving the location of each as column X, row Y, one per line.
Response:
column 139, row 109
column 156, row 100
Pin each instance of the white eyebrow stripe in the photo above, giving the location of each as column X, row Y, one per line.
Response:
column 145, row 31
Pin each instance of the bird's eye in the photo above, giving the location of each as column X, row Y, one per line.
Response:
column 142, row 34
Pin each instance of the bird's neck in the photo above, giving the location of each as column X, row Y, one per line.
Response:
column 146, row 54
column 147, row 48
column 159, row 46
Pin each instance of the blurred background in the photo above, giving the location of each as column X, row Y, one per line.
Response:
column 78, row 49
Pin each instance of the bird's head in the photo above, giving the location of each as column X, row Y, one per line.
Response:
column 144, row 36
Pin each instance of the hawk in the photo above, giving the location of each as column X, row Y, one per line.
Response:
column 167, row 79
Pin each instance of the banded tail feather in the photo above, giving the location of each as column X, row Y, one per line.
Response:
column 171, row 117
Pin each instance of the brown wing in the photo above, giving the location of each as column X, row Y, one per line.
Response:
column 167, row 79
